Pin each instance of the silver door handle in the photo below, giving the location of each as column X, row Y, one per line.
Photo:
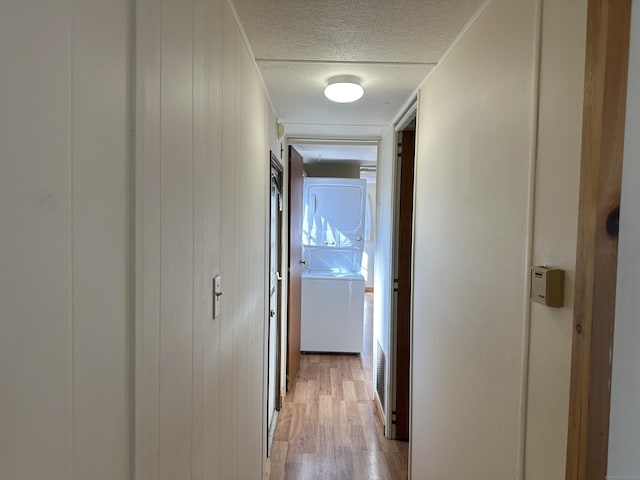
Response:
column 278, row 277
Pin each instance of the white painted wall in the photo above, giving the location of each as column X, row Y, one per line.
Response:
column 470, row 233
column 65, row 211
column 370, row 241
column 470, row 312
column 555, row 232
column 205, row 128
column 624, row 428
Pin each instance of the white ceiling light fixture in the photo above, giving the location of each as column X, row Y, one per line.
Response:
column 344, row 89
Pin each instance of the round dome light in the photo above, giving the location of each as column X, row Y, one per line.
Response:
column 344, row 90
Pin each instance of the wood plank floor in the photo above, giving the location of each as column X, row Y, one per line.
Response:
column 328, row 426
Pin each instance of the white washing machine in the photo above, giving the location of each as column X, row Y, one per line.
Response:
column 332, row 312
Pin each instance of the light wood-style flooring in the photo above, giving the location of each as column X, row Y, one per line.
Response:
column 328, row 426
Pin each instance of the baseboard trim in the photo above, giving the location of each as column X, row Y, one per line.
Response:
column 376, row 401
column 272, row 431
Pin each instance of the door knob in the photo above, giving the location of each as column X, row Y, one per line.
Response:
column 272, row 313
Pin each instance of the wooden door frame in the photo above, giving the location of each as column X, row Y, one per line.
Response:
column 607, row 57
column 402, row 328
column 276, row 166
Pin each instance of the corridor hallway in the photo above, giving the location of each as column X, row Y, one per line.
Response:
column 329, row 428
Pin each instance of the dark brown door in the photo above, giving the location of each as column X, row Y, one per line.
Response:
column 295, row 264
column 405, row 236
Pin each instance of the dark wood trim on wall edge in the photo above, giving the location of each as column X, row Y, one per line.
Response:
column 607, row 56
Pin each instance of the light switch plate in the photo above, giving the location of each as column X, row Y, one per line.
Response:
column 217, row 294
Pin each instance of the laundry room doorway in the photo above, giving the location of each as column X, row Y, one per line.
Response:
column 331, row 236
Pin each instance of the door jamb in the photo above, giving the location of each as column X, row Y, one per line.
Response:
column 278, row 167
column 275, row 170
column 607, row 53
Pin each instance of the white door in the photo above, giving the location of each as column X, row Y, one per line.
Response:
column 274, row 300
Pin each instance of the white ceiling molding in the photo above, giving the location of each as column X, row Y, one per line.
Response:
column 334, row 131
column 361, row 153
column 408, row 116
column 338, row 62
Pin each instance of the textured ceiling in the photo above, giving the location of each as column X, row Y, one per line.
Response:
column 292, row 85
column 391, row 45
column 353, row 30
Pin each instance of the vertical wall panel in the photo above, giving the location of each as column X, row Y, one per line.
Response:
column 228, row 238
column 201, row 288
column 240, row 253
column 101, row 239
column 470, row 229
column 471, row 211
column 147, row 235
column 258, row 166
column 176, row 204
column 203, row 131
column 35, row 254
column 212, row 132
column 213, row 126
column 556, row 213
column 66, row 213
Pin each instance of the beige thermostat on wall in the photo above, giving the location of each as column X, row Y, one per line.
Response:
column 547, row 286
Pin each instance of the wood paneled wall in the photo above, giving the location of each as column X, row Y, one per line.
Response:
column 66, row 241
column 204, row 133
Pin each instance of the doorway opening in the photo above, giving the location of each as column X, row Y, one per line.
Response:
column 319, row 158
column 328, row 425
column 276, row 204
column 402, row 288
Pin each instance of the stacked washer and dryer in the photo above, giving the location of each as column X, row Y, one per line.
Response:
column 332, row 286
